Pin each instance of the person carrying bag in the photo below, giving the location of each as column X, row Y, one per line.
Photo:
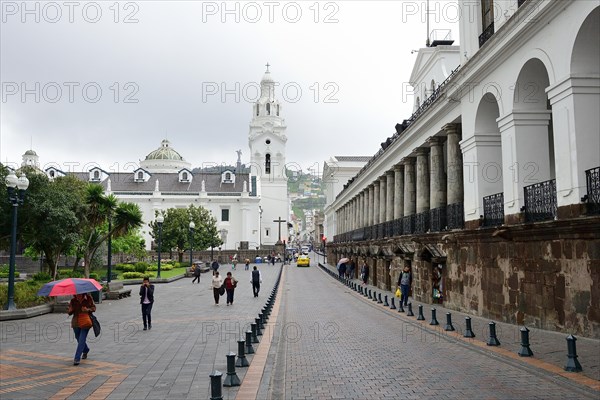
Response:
column 80, row 307
column 217, row 286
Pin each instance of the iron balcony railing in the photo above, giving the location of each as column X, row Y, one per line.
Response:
column 493, row 210
column 437, row 219
column 486, row 35
column 422, row 222
column 540, row 201
column 592, row 178
column 455, row 215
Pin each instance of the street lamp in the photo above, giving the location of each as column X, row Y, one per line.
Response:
column 109, row 244
column 16, row 194
column 159, row 220
column 192, row 226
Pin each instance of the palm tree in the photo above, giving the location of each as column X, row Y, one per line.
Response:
column 124, row 217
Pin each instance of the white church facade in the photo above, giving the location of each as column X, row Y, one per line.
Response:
column 244, row 199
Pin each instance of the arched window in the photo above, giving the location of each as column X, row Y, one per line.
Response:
column 96, row 174
column 257, row 107
column 432, row 85
column 268, row 108
column 184, row 176
column 228, row 176
column 268, row 163
column 278, row 110
column 51, row 174
column 140, row 175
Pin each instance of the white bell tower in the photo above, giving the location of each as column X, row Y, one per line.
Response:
column 267, row 141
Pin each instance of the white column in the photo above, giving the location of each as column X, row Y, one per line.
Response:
column 410, row 193
column 455, row 192
column 398, row 191
column 525, row 154
column 382, row 198
column 389, row 207
column 376, row 202
column 575, row 104
column 437, row 193
column 422, row 180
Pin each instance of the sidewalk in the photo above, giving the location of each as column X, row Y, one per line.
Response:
column 549, row 348
column 190, row 338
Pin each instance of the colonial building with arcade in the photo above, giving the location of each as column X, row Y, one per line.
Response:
column 490, row 191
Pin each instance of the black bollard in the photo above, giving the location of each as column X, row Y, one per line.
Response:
column 379, row 300
column 410, row 311
column 254, row 336
column 257, row 323
column 434, row 320
column 449, row 326
column 525, row 350
column 231, row 379
column 370, row 294
column 374, row 295
column 468, row 330
column 493, row 340
column 215, row 386
column 420, row 317
column 400, row 307
column 261, row 321
column 393, row 306
column 249, row 347
column 241, row 361
column 385, row 302
column 572, row 362
column 366, row 293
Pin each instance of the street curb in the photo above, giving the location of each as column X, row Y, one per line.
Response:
column 24, row 313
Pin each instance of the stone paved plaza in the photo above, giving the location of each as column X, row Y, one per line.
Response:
column 328, row 343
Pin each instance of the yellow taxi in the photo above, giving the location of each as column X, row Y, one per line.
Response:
column 303, row 261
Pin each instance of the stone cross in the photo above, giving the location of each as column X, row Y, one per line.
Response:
column 279, row 221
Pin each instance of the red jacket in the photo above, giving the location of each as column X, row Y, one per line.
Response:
column 229, row 283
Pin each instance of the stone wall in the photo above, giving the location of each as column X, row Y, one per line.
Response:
column 544, row 275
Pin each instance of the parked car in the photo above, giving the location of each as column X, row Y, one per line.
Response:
column 303, row 261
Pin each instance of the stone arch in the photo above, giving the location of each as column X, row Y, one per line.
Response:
column 586, row 50
column 532, row 107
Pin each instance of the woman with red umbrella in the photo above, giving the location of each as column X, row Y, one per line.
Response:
column 80, row 307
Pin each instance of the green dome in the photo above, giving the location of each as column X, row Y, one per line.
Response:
column 164, row 152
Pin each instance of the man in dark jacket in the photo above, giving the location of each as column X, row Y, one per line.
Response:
column 146, row 300
column 256, row 279
column 214, row 266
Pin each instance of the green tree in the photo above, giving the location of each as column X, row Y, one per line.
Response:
column 125, row 217
column 176, row 231
column 132, row 243
column 52, row 216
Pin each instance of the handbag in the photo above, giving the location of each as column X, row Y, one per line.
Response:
column 222, row 290
column 84, row 321
column 95, row 325
column 398, row 292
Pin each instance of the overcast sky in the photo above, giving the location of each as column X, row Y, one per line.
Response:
column 161, row 68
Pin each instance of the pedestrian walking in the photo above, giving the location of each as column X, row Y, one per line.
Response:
column 230, row 285
column 80, row 307
column 196, row 273
column 350, row 270
column 214, row 266
column 404, row 281
column 217, row 284
column 247, row 264
column 147, row 300
column 256, row 280
column 342, row 270
column 364, row 273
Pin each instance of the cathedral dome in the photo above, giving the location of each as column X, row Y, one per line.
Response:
column 164, row 159
column 30, row 153
column 164, row 152
column 267, row 77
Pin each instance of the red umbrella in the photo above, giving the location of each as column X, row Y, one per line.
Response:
column 69, row 286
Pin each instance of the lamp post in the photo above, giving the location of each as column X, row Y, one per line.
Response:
column 16, row 194
column 192, row 226
column 159, row 220
column 109, row 244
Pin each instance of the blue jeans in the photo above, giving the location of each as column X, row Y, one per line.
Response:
column 229, row 295
column 82, row 347
column 404, row 289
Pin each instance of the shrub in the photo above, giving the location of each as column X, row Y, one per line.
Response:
column 121, row 267
column 141, row 266
column 25, row 294
column 154, row 268
column 132, row 275
column 4, row 271
column 42, row 277
column 167, row 267
column 137, row 275
column 128, row 268
column 94, row 275
column 69, row 273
